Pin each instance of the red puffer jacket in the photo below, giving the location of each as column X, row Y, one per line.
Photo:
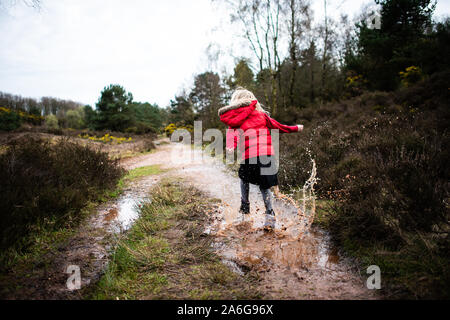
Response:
column 244, row 120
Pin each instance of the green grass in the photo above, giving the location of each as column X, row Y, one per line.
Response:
column 165, row 255
column 323, row 208
column 44, row 241
column 143, row 171
column 133, row 175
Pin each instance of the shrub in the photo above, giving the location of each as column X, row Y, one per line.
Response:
column 382, row 158
column 107, row 138
column 170, row 129
column 75, row 118
column 45, row 185
column 12, row 119
column 51, row 122
column 354, row 84
column 411, row 75
column 9, row 120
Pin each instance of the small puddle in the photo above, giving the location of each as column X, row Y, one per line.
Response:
column 259, row 249
column 123, row 212
column 129, row 211
column 121, row 215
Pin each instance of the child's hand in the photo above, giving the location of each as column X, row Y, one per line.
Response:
column 300, row 127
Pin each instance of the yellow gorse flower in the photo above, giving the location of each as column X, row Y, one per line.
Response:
column 107, row 138
column 411, row 75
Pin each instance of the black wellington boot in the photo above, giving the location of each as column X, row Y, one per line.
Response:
column 245, row 208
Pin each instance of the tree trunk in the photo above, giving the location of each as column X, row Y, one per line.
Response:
column 324, row 56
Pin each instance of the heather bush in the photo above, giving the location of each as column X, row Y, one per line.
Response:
column 45, row 185
column 382, row 158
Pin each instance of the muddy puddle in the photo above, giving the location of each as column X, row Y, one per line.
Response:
column 293, row 242
column 124, row 212
column 119, row 215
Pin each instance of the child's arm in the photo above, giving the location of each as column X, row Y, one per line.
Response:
column 274, row 124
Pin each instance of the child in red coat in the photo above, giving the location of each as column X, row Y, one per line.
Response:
column 250, row 125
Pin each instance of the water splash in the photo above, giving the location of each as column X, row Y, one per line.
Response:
column 304, row 200
column 309, row 198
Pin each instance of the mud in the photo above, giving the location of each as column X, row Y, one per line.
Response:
column 295, row 261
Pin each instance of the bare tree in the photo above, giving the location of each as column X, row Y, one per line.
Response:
column 298, row 16
column 261, row 24
column 328, row 33
column 325, row 47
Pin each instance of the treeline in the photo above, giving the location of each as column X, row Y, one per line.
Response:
column 16, row 110
column 298, row 63
column 115, row 111
column 40, row 107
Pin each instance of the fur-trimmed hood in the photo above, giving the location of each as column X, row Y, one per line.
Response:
column 237, row 113
column 235, row 105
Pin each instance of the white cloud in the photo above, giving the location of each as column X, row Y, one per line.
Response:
column 72, row 49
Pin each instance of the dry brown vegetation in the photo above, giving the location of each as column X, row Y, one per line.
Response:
column 45, row 185
column 382, row 159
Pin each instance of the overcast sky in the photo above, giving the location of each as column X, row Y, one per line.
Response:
column 71, row 49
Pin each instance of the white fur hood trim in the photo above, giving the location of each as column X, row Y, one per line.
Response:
column 235, row 105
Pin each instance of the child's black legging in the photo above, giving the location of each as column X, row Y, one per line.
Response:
column 245, row 187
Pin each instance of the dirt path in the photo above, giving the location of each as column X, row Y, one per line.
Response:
column 294, row 262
